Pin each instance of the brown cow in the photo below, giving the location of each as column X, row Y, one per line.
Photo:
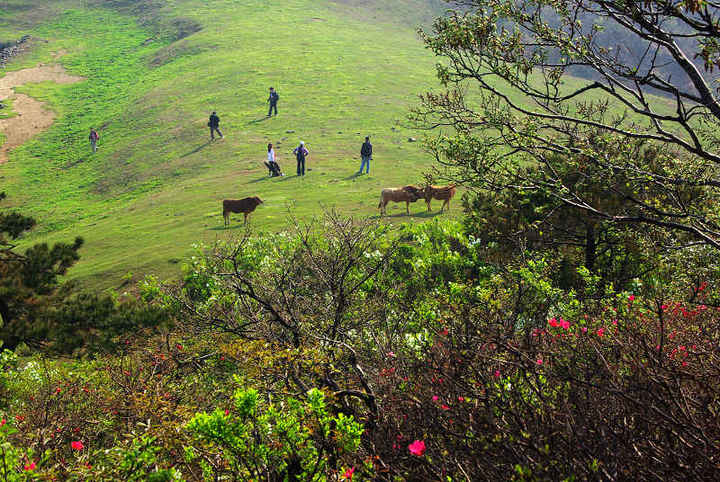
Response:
column 245, row 206
column 406, row 194
column 441, row 193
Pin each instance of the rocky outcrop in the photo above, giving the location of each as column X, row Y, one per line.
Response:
column 7, row 52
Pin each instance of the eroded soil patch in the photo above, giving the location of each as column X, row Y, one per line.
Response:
column 32, row 118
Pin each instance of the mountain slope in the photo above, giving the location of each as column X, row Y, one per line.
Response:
column 154, row 72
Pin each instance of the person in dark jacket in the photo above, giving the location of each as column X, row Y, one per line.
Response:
column 94, row 136
column 366, row 155
column 301, row 153
column 273, row 99
column 214, row 125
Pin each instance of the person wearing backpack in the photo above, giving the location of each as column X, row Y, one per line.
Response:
column 366, row 155
column 273, row 99
column 301, row 153
column 214, row 125
column 94, row 136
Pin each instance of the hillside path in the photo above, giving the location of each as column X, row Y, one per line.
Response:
column 31, row 117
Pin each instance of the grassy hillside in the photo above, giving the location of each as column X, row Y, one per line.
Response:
column 155, row 71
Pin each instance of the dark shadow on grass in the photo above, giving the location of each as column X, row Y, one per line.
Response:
column 422, row 214
column 354, row 175
column 232, row 227
column 260, row 179
column 258, row 120
column 197, row 149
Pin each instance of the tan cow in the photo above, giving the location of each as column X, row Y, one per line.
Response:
column 406, row 194
column 441, row 193
column 245, row 206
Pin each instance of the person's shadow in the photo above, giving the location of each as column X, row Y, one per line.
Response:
column 196, row 150
column 258, row 120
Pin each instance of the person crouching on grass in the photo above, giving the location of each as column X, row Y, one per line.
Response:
column 272, row 165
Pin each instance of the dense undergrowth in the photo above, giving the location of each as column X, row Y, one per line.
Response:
column 347, row 350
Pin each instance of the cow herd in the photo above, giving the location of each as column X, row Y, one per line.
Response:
column 406, row 194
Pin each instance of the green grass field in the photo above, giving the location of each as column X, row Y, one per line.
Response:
column 156, row 184
column 155, row 70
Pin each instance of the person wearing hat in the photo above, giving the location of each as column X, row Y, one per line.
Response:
column 301, row 153
column 366, row 155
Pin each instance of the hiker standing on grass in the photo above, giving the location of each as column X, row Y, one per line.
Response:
column 366, row 154
column 94, row 136
column 214, row 125
column 273, row 99
column 301, row 154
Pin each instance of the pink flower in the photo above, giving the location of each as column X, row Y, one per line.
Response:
column 417, row 448
column 497, row 373
column 227, row 412
column 391, row 354
column 584, row 329
column 444, row 332
column 77, row 445
column 565, row 324
column 435, row 398
column 553, row 322
column 601, row 332
column 348, row 475
column 461, row 399
column 631, row 297
column 30, row 467
column 539, row 361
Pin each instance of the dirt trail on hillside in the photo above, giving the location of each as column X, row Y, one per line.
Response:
column 31, row 117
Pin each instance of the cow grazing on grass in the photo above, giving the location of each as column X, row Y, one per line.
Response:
column 441, row 193
column 245, row 206
column 407, row 194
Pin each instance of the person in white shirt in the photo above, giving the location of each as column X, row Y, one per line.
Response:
column 272, row 165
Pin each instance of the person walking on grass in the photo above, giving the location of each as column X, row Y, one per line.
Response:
column 94, row 136
column 366, row 155
column 214, row 125
column 272, row 165
column 273, row 99
column 301, row 153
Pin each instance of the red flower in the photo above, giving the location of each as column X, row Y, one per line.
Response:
column 77, row 445
column 2, row 422
column 30, row 467
column 417, row 448
column 631, row 297
column 19, row 418
column 461, row 399
column 227, row 412
column 179, row 346
column 497, row 373
column 445, row 407
column 539, row 361
column 444, row 332
column 348, row 475
column 601, row 332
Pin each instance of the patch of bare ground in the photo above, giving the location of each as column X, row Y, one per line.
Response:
column 32, row 118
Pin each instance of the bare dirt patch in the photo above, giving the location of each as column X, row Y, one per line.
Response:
column 32, row 118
